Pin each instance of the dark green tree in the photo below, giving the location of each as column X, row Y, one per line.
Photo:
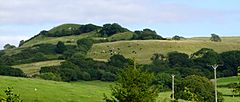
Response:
column 146, row 34
column 119, row 61
column 176, row 59
column 231, row 60
column 85, row 44
column 110, row 29
column 88, row 28
column 8, row 46
column 60, row 47
column 215, row 38
column 21, row 43
column 176, row 37
column 134, row 85
column 196, row 88
column 205, row 57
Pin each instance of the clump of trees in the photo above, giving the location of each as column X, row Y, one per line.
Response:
column 146, row 34
column 196, row 88
column 81, row 68
column 110, row 29
column 9, row 71
column 176, row 37
column 133, row 85
column 8, row 46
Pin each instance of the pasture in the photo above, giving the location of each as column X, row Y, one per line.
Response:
column 82, row 91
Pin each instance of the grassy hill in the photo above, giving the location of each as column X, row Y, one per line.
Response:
column 83, row 91
column 33, row 68
column 146, row 48
column 51, row 91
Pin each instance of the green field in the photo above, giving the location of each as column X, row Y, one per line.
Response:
column 83, row 91
column 51, row 91
column 33, row 68
column 146, row 48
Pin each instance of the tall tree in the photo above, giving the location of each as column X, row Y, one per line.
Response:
column 60, row 47
column 215, row 38
column 134, row 85
column 196, row 88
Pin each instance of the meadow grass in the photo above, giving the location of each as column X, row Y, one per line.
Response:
column 82, row 91
column 33, row 68
column 51, row 91
column 146, row 48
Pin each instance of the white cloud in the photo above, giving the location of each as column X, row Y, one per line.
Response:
column 123, row 11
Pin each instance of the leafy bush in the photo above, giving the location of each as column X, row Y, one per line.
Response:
column 134, row 85
column 86, row 76
column 196, row 88
column 60, row 47
column 50, row 76
column 215, row 38
column 8, row 71
column 108, row 76
column 87, row 28
column 146, row 34
column 10, row 96
column 110, row 29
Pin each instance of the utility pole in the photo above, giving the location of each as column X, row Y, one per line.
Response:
column 215, row 66
column 173, row 86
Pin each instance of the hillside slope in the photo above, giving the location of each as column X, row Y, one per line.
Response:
column 51, row 91
column 142, row 50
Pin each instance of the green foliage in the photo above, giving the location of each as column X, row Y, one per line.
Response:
column 8, row 46
column 110, row 29
column 231, row 60
column 10, row 96
column 9, row 71
column 196, row 88
column 176, row 37
column 108, row 76
column 86, row 76
column 87, row 28
column 205, row 57
column 146, row 34
column 235, row 88
column 119, row 61
column 60, row 47
column 50, row 76
column 84, row 44
column 21, row 43
column 215, row 38
column 163, row 79
column 176, row 59
column 134, row 85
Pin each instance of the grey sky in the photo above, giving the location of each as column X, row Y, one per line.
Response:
column 21, row 19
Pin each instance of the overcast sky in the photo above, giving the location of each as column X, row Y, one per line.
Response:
column 22, row 19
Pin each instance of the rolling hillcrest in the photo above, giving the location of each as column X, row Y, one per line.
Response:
column 108, row 40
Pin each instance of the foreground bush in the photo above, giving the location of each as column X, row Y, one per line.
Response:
column 134, row 85
column 196, row 88
column 10, row 96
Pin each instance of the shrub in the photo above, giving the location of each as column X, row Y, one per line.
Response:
column 108, row 76
column 10, row 96
column 134, row 85
column 8, row 71
column 196, row 88
column 50, row 76
column 86, row 76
